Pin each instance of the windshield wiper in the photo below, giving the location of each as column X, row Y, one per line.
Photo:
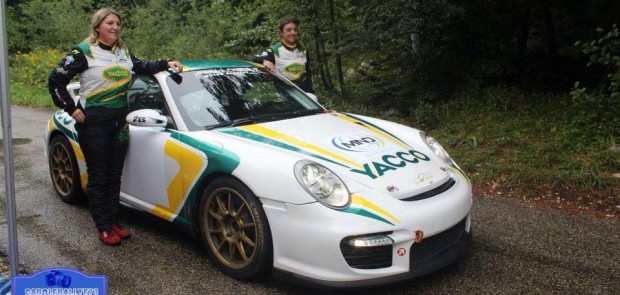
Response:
column 294, row 114
column 233, row 123
column 265, row 118
column 301, row 113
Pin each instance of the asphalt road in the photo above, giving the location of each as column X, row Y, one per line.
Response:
column 517, row 248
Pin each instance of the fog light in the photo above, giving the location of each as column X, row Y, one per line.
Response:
column 372, row 241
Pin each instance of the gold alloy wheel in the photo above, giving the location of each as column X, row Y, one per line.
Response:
column 64, row 170
column 231, row 228
column 61, row 169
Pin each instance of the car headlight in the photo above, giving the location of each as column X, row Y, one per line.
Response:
column 437, row 149
column 323, row 184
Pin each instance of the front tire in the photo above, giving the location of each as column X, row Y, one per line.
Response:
column 234, row 229
column 64, row 170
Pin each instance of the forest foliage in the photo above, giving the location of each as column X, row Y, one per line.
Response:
column 401, row 51
column 528, row 89
column 399, row 55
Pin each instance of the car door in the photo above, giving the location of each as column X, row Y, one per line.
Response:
column 150, row 176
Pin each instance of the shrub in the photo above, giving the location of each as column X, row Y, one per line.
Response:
column 599, row 110
column 28, row 74
column 33, row 68
column 606, row 52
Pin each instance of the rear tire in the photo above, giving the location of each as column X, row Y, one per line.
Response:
column 234, row 230
column 64, row 170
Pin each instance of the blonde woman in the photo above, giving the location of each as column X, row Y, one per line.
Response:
column 104, row 65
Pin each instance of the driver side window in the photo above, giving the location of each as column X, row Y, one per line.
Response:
column 145, row 93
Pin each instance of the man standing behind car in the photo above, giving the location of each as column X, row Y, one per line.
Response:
column 104, row 65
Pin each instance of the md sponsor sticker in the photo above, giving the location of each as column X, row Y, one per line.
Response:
column 358, row 142
column 59, row 281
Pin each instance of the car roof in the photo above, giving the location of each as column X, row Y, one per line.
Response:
column 203, row 64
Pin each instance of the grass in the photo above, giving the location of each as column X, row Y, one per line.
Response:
column 524, row 146
column 28, row 95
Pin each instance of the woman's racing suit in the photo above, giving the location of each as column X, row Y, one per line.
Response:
column 292, row 63
column 105, row 74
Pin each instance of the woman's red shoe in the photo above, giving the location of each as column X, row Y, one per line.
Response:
column 120, row 231
column 108, row 237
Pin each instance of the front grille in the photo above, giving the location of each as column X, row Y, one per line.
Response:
column 436, row 191
column 431, row 246
column 366, row 257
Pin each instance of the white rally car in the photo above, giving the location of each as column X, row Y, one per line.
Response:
column 273, row 183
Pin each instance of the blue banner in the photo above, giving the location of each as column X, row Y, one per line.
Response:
column 59, row 281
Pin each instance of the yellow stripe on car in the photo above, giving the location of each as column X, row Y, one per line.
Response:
column 192, row 164
column 264, row 131
column 360, row 202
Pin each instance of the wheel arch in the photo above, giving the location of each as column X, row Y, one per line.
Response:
column 53, row 134
column 193, row 209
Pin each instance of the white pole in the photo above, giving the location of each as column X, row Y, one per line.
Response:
column 8, row 145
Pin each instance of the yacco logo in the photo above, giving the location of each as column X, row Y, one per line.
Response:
column 295, row 68
column 116, row 73
column 391, row 162
column 358, row 142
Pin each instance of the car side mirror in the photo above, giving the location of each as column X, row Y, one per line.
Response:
column 147, row 118
column 312, row 96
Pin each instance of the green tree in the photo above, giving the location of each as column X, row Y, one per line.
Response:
column 38, row 24
column 406, row 52
column 599, row 109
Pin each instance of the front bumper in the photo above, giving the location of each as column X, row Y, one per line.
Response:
column 438, row 260
column 310, row 240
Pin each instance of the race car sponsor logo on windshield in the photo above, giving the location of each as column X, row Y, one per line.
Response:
column 358, row 142
column 226, row 71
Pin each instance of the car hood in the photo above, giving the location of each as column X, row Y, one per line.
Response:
column 355, row 149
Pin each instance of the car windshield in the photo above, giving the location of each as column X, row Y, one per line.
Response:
column 226, row 97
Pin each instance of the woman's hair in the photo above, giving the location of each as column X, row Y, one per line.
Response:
column 96, row 20
column 283, row 23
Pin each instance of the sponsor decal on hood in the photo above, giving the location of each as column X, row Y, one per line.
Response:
column 371, row 152
column 358, row 142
